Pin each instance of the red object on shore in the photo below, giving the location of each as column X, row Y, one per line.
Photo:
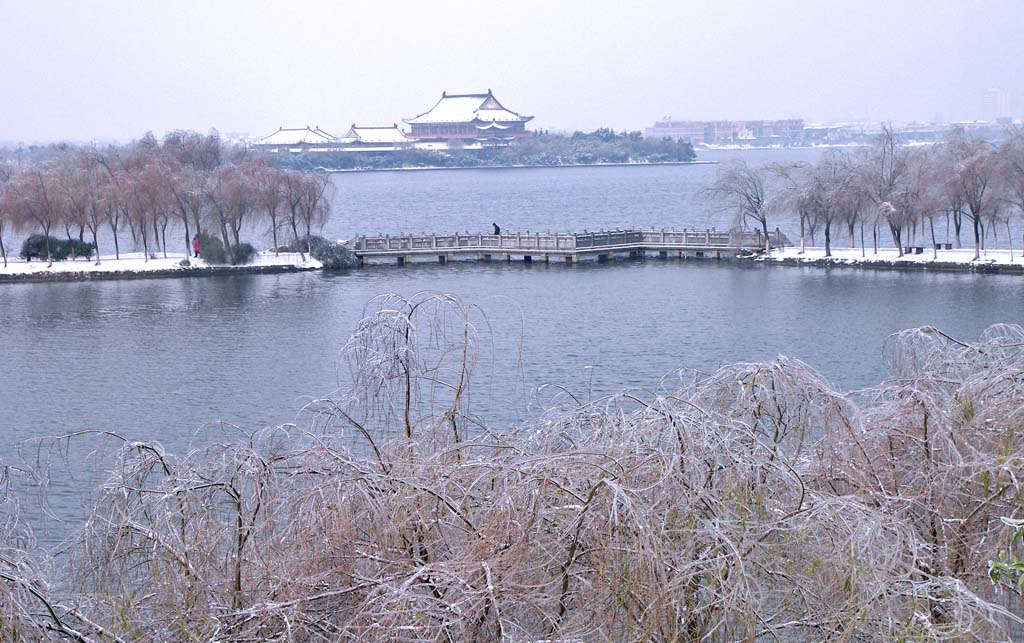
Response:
column 195, row 244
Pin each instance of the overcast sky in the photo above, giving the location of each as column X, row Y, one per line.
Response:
column 99, row 70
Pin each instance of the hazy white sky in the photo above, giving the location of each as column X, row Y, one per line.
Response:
column 83, row 70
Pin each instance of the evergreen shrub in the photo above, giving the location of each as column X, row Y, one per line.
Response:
column 60, row 249
column 242, row 253
column 211, row 249
column 333, row 255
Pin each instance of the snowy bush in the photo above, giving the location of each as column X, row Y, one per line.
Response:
column 754, row 503
column 333, row 255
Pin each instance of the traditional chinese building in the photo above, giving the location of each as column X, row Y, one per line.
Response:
column 375, row 139
column 299, row 139
column 469, row 118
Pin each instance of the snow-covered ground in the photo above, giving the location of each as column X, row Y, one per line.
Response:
column 964, row 256
column 136, row 262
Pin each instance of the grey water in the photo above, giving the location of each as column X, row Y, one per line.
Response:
column 177, row 360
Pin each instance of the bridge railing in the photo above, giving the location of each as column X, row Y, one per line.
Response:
column 518, row 241
column 608, row 239
column 510, row 241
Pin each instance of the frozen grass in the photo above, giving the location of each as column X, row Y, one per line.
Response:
column 752, row 504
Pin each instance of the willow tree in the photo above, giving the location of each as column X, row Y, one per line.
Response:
column 1011, row 156
column 743, row 191
column 974, row 180
column 5, row 216
column 35, row 202
column 830, row 192
column 307, row 202
column 95, row 183
column 270, row 190
column 794, row 180
column 881, row 172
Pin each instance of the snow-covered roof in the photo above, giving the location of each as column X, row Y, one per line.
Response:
column 465, row 108
column 297, row 136
column 392, row 134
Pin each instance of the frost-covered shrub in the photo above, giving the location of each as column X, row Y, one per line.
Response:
column 754, row 503
column 333, row 255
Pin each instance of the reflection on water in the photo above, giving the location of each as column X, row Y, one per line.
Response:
column 157, row 359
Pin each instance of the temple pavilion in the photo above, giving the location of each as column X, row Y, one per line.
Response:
column 297, row 139
column 375, row 139
column 469, row 118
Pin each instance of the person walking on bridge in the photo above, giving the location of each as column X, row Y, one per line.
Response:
column 497, row 230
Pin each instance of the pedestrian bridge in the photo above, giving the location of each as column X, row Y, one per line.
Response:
column 568, row 247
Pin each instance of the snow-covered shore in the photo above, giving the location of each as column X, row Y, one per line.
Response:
column 135, row 265
column 995, row 260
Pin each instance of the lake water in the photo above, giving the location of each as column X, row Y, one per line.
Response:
column 167, row 359
column 537, row 199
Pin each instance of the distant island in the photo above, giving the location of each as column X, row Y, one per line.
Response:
column 460, row 131
column 542, row 149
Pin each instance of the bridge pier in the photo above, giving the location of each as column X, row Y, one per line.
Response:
column 441, row 259
column 662, row 254
column 527, row 259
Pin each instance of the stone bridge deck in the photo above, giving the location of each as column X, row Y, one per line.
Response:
column 569, row 247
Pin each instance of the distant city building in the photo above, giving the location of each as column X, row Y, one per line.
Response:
column 830, row 134
column 996, row 105
column 469, row 118
column 794, row 132
column 776, row 132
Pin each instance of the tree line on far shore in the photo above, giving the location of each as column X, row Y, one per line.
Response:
column 971, row 186
column 543, row 149
column 195, row 184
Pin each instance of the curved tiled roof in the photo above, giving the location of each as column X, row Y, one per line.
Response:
column 389, row 134
column 297, row 136
column 466, row 108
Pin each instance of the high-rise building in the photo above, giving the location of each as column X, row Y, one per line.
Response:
column 996, row 104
